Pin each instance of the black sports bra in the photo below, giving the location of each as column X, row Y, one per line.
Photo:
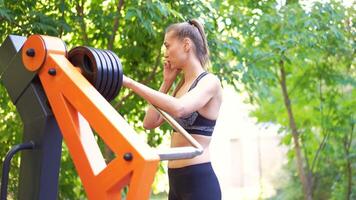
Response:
column 196, row 123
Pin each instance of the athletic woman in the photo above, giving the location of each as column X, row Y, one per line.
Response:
column 195, row 104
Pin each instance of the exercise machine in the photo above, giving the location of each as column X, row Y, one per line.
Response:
column 64, row 95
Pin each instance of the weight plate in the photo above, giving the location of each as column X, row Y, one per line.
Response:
column 120, row 74
column 110, row 74
column 87, row 61
column 115, row 75
column 103, row 70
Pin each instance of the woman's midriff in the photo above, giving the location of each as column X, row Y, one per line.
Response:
column 179, row 140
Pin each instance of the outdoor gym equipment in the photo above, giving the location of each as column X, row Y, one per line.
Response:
column 67, row 94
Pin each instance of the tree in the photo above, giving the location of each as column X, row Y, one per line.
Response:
column 294, row 66
column 298, row 68
column 134, row 30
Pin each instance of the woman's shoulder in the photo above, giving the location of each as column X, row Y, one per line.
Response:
column 212, row 81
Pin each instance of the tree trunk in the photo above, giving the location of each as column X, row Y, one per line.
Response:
column 349, row 179
column 347, row 147
column 60, row 32
column 80, row 12
column 305, row 180
column 116, row 25
column 145, row 81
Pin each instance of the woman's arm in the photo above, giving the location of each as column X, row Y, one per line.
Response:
column 152, row 117
column 177, row 107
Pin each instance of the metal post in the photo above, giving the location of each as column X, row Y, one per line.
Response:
column 39, row 169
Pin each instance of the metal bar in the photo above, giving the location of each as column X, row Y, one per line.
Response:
column 179, row 152
column 6, row 166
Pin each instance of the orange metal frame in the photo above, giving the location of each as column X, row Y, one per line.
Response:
column 77, row 107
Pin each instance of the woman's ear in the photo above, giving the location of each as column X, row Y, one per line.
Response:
column 187, row 44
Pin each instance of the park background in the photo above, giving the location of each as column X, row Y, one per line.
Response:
column 287, row 124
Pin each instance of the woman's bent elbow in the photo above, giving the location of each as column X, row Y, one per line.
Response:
column 179, row 112
column 149, row 126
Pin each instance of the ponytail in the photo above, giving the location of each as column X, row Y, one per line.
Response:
column 205, row 50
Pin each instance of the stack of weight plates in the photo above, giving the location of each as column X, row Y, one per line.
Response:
column 102, row 68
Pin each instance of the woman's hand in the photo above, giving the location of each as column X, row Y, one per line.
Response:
column 169, row 73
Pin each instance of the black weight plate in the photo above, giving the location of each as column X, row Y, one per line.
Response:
column 87, row 60
column 76, row 57
column 103, row 70
column 110, row 74
column 115, row 75
column 117, row 85
column 120, row 74
column 98, row 77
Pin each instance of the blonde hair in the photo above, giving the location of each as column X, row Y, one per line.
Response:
column 193, row 30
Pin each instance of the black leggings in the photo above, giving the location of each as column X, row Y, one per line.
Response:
column 194, row 182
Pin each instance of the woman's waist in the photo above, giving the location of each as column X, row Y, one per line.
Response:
column 178, row 140
column 203, row 158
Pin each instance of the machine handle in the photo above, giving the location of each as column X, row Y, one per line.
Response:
column 6, row 166
column 179, row 152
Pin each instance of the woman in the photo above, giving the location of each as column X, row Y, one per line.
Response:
column 195, row 105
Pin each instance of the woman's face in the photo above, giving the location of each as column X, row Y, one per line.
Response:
column 175, row 54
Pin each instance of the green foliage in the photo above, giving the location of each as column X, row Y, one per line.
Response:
column 316, row 50
column 288, row 184
column 134, row 30
column 10, row 131
column 249, row 42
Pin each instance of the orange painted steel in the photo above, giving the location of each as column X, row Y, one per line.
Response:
column 77, row 107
